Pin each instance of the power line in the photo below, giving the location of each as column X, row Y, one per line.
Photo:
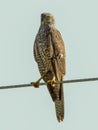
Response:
column 66, row 81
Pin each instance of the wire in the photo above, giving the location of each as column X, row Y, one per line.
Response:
column 66, row 81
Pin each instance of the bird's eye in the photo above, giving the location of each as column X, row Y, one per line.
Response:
column 48, row 17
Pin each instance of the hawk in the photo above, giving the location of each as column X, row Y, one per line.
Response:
column 49, row 53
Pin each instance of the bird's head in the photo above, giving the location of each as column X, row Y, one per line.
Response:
column 47, row 18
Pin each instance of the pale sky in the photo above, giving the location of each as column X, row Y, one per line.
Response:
column 33, row 109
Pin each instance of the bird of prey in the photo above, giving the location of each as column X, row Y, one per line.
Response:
column 49, row 53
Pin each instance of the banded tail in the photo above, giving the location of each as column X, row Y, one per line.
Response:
column 59, row 106
column 58, row 98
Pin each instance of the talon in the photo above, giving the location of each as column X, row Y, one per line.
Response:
column 52, row 82
column 35, row 84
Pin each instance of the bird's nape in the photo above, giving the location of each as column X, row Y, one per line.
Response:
column 47, row 18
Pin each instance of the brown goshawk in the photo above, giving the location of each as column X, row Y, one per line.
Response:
column 49, row 53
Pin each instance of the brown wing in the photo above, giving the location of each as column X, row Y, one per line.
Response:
column 57, row 53
column 35, row 50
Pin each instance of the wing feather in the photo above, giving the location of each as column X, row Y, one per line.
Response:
column 57, row 53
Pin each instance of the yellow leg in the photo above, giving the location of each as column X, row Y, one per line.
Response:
column 36, row 84
column 52, row 82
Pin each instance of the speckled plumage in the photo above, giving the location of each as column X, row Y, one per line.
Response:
column 49, row 53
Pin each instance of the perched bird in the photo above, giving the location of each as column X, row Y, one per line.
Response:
column 49, row 53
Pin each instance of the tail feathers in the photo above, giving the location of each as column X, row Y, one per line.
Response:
column 57, row 95
column 59, row 106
